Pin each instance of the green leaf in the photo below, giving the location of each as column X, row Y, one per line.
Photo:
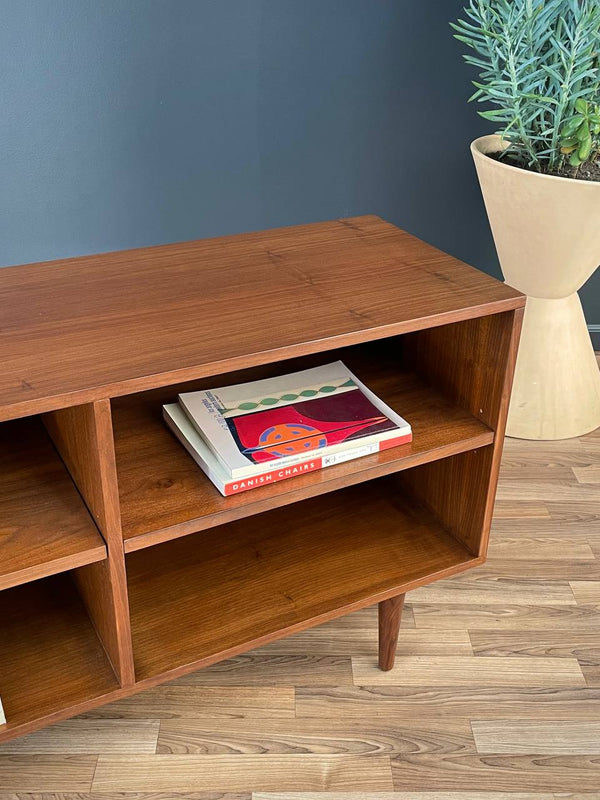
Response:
column 571, row 126
column 541, row 98
column 583, row 131
column 575, row 161
column 581, row 105
column 463, row 39
column 569, row 141
column 493, row 115
column 585, row 149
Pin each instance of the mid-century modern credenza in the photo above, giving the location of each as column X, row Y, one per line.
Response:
column 121, row 566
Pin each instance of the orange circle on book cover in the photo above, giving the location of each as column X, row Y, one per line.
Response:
column 290, row 438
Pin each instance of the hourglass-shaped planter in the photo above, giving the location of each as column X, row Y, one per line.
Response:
column 547, row 234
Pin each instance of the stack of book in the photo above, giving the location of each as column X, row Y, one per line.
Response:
column 257, row 433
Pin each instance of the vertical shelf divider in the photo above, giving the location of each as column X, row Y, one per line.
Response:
column 83, row 436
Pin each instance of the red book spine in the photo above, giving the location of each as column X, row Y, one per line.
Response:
column 274, row 475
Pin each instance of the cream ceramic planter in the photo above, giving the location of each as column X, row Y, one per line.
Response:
column 547, row 234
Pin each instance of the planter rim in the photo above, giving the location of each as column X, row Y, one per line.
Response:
column 477, row 149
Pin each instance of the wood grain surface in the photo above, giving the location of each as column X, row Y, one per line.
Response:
column 51, row 658
column 295, row 566
column 390, row 616
column 525, row 737
column 88, row 328
column 83, row 436
column 522, row 737
column 44, row 525
column 96, row 332
column 187, row 773
column 203, row 596
column 473, row 363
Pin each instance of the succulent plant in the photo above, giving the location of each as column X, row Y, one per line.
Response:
column 539, row 69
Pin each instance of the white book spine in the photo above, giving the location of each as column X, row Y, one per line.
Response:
column 179, row 423
column 214, row 429
column 2, row 717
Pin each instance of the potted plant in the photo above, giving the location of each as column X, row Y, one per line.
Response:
column 539, row 76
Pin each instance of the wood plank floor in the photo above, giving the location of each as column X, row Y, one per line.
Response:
column 495, row 694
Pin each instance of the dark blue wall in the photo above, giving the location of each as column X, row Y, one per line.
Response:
column 134, row 122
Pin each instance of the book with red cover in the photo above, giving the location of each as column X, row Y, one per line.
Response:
column 272, row 472
column 301, row 427
column 282, row 421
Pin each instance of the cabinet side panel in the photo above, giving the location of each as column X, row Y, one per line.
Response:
column 468, row 361
column 456, row 489
column 473, row 362
column 83, row 436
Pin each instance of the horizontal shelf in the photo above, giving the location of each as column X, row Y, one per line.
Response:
column 51, row 659
column 164, row 494
column 45, row 527
column 208, row 596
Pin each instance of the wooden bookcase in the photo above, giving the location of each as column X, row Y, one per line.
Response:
column 121, row 566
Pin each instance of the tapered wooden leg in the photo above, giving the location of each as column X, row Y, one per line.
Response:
column 390, row 614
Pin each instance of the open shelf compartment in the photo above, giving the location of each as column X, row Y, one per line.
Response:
column 45, row 527
column 51, row 659
column 204, row 597
column 164, row 494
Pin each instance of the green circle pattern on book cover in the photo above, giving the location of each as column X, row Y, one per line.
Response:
column 288, row 398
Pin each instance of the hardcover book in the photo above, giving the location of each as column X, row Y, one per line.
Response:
column 180, row 425
column 280, row 422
